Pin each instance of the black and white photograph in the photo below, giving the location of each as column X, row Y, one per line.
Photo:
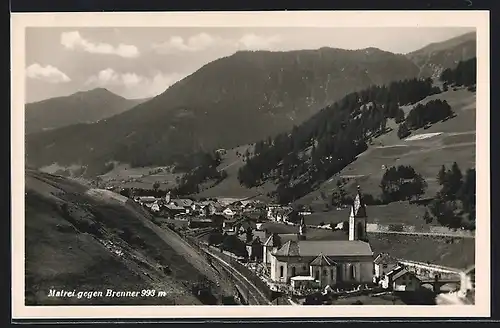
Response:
column 242, row 164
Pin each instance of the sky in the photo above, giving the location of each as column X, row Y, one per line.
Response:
column 141, row 62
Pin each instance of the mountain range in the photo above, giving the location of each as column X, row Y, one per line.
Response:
column 235, row 100
column 436, row 57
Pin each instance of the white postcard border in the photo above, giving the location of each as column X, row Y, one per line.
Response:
column 477, row 19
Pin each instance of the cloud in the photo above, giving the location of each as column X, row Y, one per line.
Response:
column 204, row 41
column 256, row 42
column 194, row 43
column 47, row 73
column 73, row 40
column 134, row 85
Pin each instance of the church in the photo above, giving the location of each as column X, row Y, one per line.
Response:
column 328, row 262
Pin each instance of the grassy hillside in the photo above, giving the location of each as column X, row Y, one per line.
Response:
column 232, row 101
column 456, row 142
column 81, row 107
column 83, row 239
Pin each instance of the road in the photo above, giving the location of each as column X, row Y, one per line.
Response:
column 451, row 235
column 255, row 295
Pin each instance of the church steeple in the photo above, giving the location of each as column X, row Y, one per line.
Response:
column 357, row 218
column 302, row 229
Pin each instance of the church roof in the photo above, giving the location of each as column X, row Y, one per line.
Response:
column 330, row 248
column 272, row 241
column 290, row 248
column 322, row 260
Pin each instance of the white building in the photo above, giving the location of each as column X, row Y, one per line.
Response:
column 383, row 264
column 401, row 280
column 329, row 262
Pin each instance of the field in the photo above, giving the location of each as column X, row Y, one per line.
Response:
column 141, row 177
column 77, row 238
column 398, row 212
column 446, row 251
column 230, row 187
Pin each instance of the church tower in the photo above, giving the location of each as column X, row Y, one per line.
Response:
column 302, row 230
column 357, row 218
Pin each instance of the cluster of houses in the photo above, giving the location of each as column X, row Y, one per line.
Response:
column 184, row 206
column 227, row 207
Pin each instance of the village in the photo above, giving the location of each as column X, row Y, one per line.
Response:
column 309, row 264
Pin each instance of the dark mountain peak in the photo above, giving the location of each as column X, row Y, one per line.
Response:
column 99, row 92
column 80, row 107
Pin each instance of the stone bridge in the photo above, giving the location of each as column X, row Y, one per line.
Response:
column 432, row 274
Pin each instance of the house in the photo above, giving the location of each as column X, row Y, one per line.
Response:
column 399, row 279
column 155, row 207
column 303, row 283
column 330, row 262
column 228, row 211
column 228, row 225
column 207, row 208
column 278, row 213
column 182, row 202
column 173, row 209
column 144, row 200
column 382, row 264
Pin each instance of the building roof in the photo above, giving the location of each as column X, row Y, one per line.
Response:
column 147, row 198
column 290, row 248
column 184, row 202
column 174, row 207
column 384, row 258
column 322, row 260
column 273, row 240
column 402, row 273
column 395, row 270
column 330, row 248
column 302, row 278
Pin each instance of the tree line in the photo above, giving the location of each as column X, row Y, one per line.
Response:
column 455, row 204
column 190, row 182
column 323, row 145
column 424, row 114
column 464, row 74
column 402, row 183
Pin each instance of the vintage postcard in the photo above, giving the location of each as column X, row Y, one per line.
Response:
column 250, row 165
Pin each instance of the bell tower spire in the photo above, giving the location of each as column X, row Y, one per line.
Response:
column 302, row 229
column 357, row 218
